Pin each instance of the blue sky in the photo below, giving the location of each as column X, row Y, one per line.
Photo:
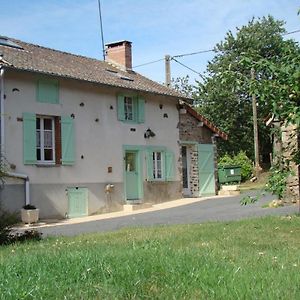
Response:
column 155, row 27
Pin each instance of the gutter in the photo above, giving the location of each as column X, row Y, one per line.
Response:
column 26, row 178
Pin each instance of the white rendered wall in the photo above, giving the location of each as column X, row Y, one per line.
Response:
column 99, row 142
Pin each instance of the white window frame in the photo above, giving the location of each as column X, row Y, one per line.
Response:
column 42, row 146
column 129, row 109
column 155, row 165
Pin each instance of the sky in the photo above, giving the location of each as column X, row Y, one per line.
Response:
column 155, row 27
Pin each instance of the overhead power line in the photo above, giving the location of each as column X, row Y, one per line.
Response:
column 193, row 53
column 291, row 32
column 176, row 56
column 148, row 63
column 187, row 67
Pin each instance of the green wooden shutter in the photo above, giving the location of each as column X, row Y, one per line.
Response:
column 206, row 169
column 47, row 91
column 169, row 165
column 121, row 108
column 141, row 110
column 67, row 141
column 149, row 158
column 29, row 138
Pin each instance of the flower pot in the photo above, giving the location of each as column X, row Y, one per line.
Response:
column 30, row 215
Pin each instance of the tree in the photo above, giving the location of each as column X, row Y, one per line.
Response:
column 225, row 94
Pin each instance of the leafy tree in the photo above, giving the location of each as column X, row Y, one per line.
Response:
column 183, row 85
column 225, row 95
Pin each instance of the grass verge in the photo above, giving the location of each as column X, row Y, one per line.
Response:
column 250, row 259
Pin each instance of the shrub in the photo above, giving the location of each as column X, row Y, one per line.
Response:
column 242, row 160
column 7, row 220
column 7, row 236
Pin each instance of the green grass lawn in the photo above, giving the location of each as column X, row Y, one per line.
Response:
column 251, row 259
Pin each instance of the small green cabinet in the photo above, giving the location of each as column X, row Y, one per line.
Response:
column 77, row 202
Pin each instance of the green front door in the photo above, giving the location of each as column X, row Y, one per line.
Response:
column 132, row 174
column 206, row 168
column 78, row 202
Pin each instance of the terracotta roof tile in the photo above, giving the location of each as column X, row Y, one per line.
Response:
column 53, row 62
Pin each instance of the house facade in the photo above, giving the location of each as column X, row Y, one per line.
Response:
column 81, row 136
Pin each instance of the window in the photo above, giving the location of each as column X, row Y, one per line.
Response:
column 157, row 158
column 48, row 91
column 45, row 141
column 48, row 140
column 131, row 109
column 128, row 109
column 160, row 164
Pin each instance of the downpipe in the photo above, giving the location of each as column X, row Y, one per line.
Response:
column 9, row 174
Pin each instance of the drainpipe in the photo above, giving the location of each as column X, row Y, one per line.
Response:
column 2, row 112
column 10, row 174
column 26, row 178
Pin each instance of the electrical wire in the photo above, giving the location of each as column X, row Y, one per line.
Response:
column 180, row 63
column 193, row 53
column 148, row 63
column 291, row 32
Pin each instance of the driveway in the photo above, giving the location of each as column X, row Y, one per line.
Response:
column 210, row 209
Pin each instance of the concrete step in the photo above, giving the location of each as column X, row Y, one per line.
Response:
column 228, row 193
column 133, row 207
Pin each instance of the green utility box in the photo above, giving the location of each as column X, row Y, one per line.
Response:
column 229, row 174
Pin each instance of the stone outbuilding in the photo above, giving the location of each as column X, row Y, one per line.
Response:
column 198, row 152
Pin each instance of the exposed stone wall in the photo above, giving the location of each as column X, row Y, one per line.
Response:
column 190, row 129
column 290, row 145
column 194, row 171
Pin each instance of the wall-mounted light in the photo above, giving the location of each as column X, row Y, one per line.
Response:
column 149, row 133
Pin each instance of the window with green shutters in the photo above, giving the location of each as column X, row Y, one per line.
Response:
column 160, row 164
column 48, row 140
column 47, row 91
column 131, row 109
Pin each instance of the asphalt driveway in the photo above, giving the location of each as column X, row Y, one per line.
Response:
column 214, row 209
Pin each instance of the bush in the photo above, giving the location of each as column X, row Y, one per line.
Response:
column 7, row 220
column 242, row 160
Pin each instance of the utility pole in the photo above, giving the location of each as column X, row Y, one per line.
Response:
column 168, row 70
column 255, row 129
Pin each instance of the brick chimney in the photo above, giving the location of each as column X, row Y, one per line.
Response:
column 119, row 53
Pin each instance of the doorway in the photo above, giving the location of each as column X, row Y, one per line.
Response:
column 185, row 153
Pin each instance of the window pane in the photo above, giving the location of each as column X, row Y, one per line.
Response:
column 130, row 162
column 128, row 108
column 38, row 154
column 47, row 124
column 47, row 139
column 48, row 153
column 38, row 138
column 38, row 123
